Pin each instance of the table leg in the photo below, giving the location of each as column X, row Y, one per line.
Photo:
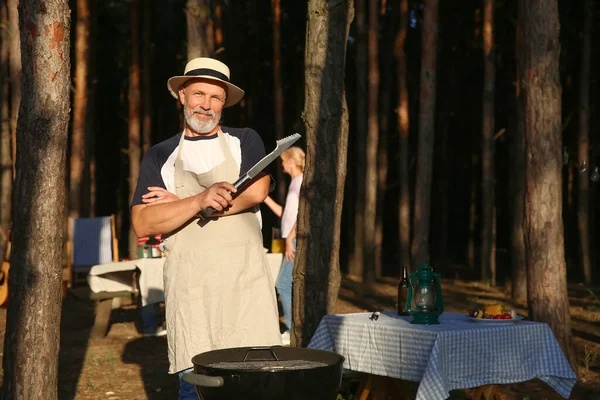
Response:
column 390, row 389
column 366, row 384
column 487, row 392
column 103, row 310
column 381, row 388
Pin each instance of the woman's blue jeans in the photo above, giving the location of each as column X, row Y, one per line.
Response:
column 187, row 391
column 284, row 288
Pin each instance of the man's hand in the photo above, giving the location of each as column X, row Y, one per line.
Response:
column 157, row 195
column 217, row 196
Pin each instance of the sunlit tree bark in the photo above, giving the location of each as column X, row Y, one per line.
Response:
column 34, row 304
column 89, row 168
column 422, row 216
column 199, row 42
column 134, row 148
column 317, row 270
column 80, row 108
column 539, row 51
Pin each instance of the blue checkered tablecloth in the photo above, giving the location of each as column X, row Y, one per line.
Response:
column 456, row 354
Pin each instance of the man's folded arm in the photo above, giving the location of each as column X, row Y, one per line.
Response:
column 163, row 218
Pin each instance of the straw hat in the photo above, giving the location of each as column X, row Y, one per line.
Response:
column 206, row 68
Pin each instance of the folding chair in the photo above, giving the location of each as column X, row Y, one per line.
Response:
column 91, row 241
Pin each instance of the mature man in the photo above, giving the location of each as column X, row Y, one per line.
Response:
column 218, row 289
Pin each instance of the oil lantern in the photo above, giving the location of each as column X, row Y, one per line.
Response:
column 425, row 302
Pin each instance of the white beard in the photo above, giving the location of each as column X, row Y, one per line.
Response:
column 201, row 126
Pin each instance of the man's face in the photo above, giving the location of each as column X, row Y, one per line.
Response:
column 202, row 102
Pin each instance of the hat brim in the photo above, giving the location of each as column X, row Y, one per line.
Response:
column 234, row 93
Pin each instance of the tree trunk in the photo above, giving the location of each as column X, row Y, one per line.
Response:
column 356, row 262
column 518, row 257
column 317, row 270
column 471, row 254
column 80, row 108
column 539, row 51
column 6, row 160
column 488, row 274
column 89, row 169
column 444, row 174
column 218, row 25
column 371, row 184
column 146, row 77
column 420, row 247
column 14, row 55
column 34, row 304
column 197, row 16
column 390, row 18
column 134, row 116
column 583, row 214
column 278, row 92
column 403, row 130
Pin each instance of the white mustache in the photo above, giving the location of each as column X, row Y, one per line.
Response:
column 204, row 112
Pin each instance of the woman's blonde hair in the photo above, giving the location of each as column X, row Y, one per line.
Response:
column 296, row 154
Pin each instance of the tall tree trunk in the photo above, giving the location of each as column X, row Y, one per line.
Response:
column 583, row 214
column 403, row 130
column 6, row 160
column 278, row 91
column 14, row 54
column 80, row 108
column 146, row 77
column 89, row 168
column 370, row 212
column 218, row 13
column 34, row 304
column 390, row 17
column 134, row 116
column 317, row 270
column 444, row 174
column 539, row 51
column 356, row 262
column 197, row 16
column 518, row 257
column 420, row 247
column 471, row 254
column 487, row 157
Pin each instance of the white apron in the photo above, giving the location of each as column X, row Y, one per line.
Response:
column 218, row 289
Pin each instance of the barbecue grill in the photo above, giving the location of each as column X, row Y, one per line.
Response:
column 267, row 373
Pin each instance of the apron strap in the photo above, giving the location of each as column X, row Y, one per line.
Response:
column 179, row 176
column 179, row 166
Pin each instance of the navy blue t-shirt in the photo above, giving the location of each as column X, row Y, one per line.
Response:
column 200, row 154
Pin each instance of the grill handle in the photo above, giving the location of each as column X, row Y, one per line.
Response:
column 270, row 348
column 203, row 380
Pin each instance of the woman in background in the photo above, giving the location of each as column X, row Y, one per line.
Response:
column 293, row 161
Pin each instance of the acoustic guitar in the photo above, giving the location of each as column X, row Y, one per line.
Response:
column 4, row 270
column 4, row 283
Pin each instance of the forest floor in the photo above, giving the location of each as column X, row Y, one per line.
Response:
column 126, row 366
